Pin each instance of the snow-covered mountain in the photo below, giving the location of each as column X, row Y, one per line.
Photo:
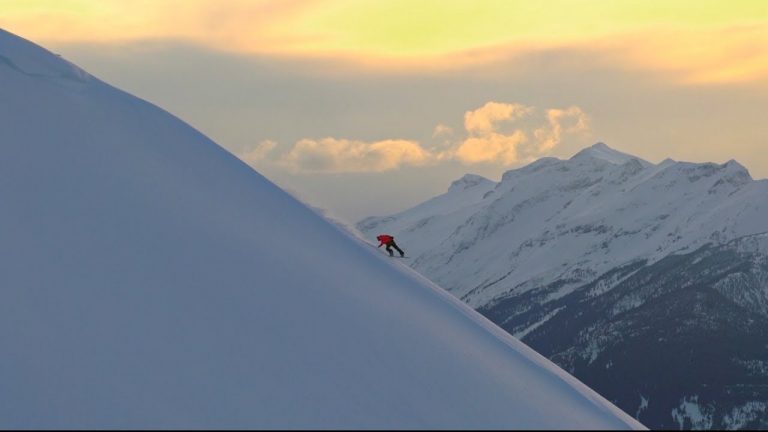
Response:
column 561, row 253
column 148, row 278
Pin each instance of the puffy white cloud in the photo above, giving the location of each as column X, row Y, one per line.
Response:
column 491, row 148
column 258, row 152
column 531, row 135
column 496, row 133
column 331, row 155
column 570, row 120
column 486, row 118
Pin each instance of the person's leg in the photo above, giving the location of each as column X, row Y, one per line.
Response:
column 389, row 249
column 394, row 245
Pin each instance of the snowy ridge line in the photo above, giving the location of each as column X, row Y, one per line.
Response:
column 591, row 213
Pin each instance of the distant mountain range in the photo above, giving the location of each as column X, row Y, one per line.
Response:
column 649, row 282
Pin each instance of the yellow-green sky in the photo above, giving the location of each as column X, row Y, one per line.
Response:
column 727, row 38
column 388, row 93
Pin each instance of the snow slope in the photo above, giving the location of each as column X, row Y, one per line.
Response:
column 148, row 278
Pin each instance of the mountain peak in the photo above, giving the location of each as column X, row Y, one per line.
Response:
column 734, row 165
column 736, row 173
column 468, row 181
column 603, row 152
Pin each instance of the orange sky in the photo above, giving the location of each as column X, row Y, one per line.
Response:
column 694, row 41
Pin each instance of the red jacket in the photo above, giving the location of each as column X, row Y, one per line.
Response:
column 385, row 239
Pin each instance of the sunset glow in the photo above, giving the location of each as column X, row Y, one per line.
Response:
column 695, row 41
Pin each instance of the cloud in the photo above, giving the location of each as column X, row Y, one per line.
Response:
column 259, row 152
column 236, row 24
column 572, row 120
column 442, row 130
column 532, row 134
column 726, row 53
column 331, row 155
column 486, row 118
column 491, row 148
column 720, row 43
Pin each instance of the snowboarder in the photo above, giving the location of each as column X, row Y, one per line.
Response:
column 388, row 240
